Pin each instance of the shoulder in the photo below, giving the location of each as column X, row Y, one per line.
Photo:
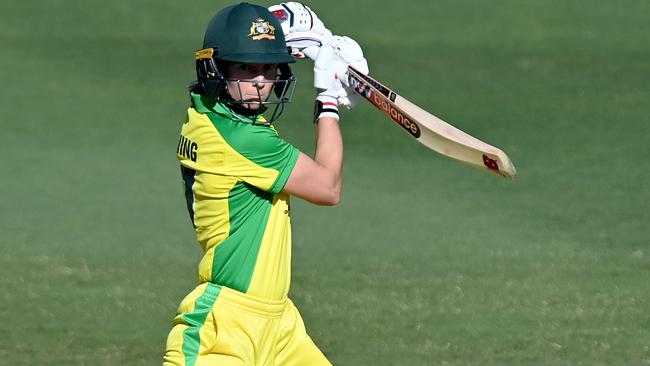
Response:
column 250, row 140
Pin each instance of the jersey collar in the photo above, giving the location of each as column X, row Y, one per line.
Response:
column 204, row 104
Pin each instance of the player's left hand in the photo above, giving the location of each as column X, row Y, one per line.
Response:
column 307, row 36
column 304, row 32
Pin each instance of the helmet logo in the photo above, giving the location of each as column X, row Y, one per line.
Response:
column 261, row 29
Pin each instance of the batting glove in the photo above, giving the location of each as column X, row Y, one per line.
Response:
column 333, row 61
column 307, row 37
column 303, row 30
column 330, row 87
column 348, row 53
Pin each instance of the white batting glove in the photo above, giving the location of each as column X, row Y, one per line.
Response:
column 307, row 36
column 303, row 30
column 333, row 61
column 348, row 53
column 330, row 87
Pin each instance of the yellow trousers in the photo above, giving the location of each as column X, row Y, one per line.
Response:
column 219, row 326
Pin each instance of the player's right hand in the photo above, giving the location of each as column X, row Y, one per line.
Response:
column 329, row 87
column 348, row 53
column 332, row 62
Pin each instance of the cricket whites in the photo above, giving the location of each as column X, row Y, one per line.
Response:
column 430, row 130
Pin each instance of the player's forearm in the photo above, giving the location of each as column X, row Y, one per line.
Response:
column 329, row 152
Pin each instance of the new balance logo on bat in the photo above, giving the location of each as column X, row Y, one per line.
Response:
column 365, row 88
column 395, row 114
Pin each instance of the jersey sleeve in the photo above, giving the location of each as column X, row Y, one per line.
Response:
column 261, row 158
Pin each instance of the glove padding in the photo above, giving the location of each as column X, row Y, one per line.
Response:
column 328, row 64
column 303, row 30
column 307, row 36
column 327, row 100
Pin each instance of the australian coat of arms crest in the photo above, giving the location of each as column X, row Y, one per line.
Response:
column 261, row 29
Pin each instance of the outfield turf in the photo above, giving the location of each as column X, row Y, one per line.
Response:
column 425, row 262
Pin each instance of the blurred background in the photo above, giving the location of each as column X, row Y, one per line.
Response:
column 425, row 262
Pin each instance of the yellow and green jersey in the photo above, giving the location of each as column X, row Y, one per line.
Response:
column 234, row 172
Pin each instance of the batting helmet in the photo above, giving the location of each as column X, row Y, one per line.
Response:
column 247, row 34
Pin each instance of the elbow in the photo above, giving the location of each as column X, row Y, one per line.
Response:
column 330, row 193
column 327, row 198
column 330, row 198
column 334, row 197
column 336, row 200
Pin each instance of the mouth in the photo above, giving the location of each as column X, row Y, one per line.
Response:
column 252, row 100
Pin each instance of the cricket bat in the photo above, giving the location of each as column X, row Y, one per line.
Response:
column 430, row 130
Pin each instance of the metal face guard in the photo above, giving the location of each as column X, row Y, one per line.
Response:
column 283, row 90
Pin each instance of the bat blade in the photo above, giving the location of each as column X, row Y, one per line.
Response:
column 430, row 130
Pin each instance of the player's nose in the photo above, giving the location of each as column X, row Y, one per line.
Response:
column 258, row 82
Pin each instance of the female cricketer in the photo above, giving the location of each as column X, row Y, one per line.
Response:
column 238, row 176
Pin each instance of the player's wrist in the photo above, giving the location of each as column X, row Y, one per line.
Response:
column 325, row 106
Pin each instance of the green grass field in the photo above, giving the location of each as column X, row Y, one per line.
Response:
column 425, row 262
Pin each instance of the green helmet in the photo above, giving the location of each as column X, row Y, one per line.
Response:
column 247, row 34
